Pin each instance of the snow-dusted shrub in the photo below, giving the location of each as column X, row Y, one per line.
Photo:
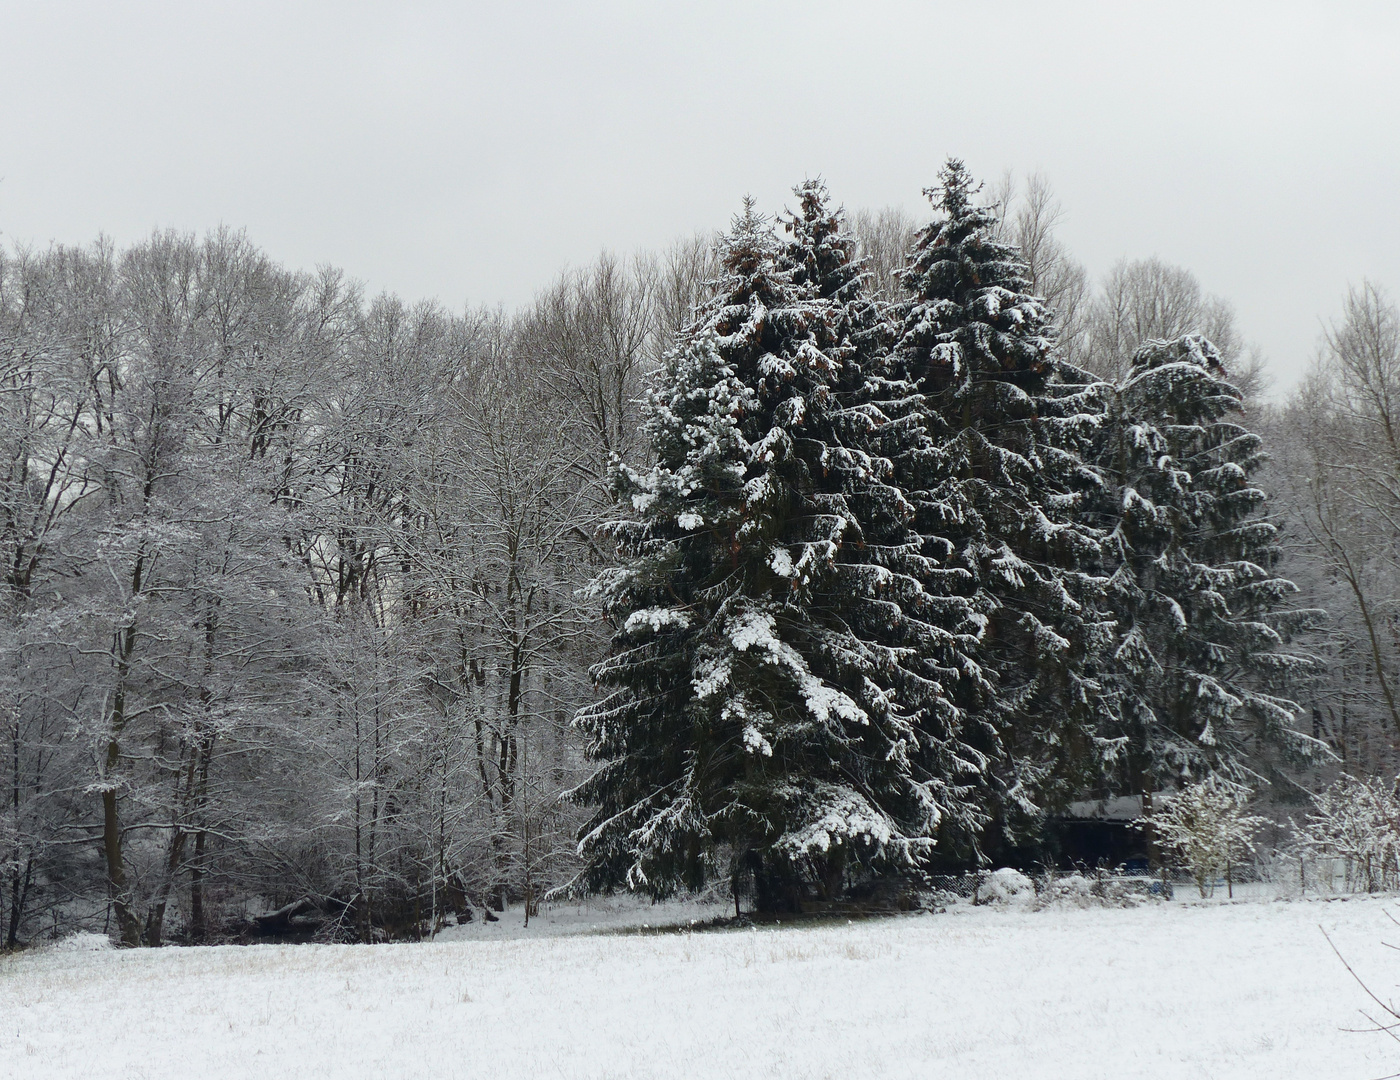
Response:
column 1078, row 890
column 82, row 942
column 1357, row 820
column 1007, row 886
column 1073, row 890
column 1206, row 826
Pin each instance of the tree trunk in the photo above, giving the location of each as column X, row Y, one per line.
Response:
column 128, row 926
column 19, row 884
column 198, row 929
column 181, row 810
column 155, row 912
column 1149, row 834
column 123, row 645
column 19, row 893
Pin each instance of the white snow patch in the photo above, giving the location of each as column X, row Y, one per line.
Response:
column 825, row 701
column 711, row 677
column 756, row 742
column 655, row 619
column 846, row 816
column 752, row 628
column 1008, row 886
column 1166, row 991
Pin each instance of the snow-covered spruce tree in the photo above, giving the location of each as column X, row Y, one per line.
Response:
column 1000, row 497
column 883, row 417
column 1201, row 665
column 774, row 690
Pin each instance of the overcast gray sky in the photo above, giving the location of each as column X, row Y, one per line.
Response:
column 469, row 151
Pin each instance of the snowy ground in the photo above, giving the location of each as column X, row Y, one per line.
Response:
column 1219, row 990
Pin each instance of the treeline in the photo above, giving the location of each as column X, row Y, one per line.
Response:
column 290, row 582
column 297, row 592
column 903, row 577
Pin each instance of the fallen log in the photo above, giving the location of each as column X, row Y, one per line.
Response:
column 299, row 917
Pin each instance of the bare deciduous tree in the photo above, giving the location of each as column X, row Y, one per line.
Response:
column 884, row 238
column 1337, row 466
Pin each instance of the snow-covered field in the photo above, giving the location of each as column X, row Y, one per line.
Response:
column 1171, row 990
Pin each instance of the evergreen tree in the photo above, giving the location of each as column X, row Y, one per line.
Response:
column 1200, row 662
column 775, row 692
column 884, row 414
column 1000, row 500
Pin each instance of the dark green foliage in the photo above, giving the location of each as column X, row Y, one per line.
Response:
column 1203, row 620
column 777, row 675
column 1000, row 496
column 902, row 580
